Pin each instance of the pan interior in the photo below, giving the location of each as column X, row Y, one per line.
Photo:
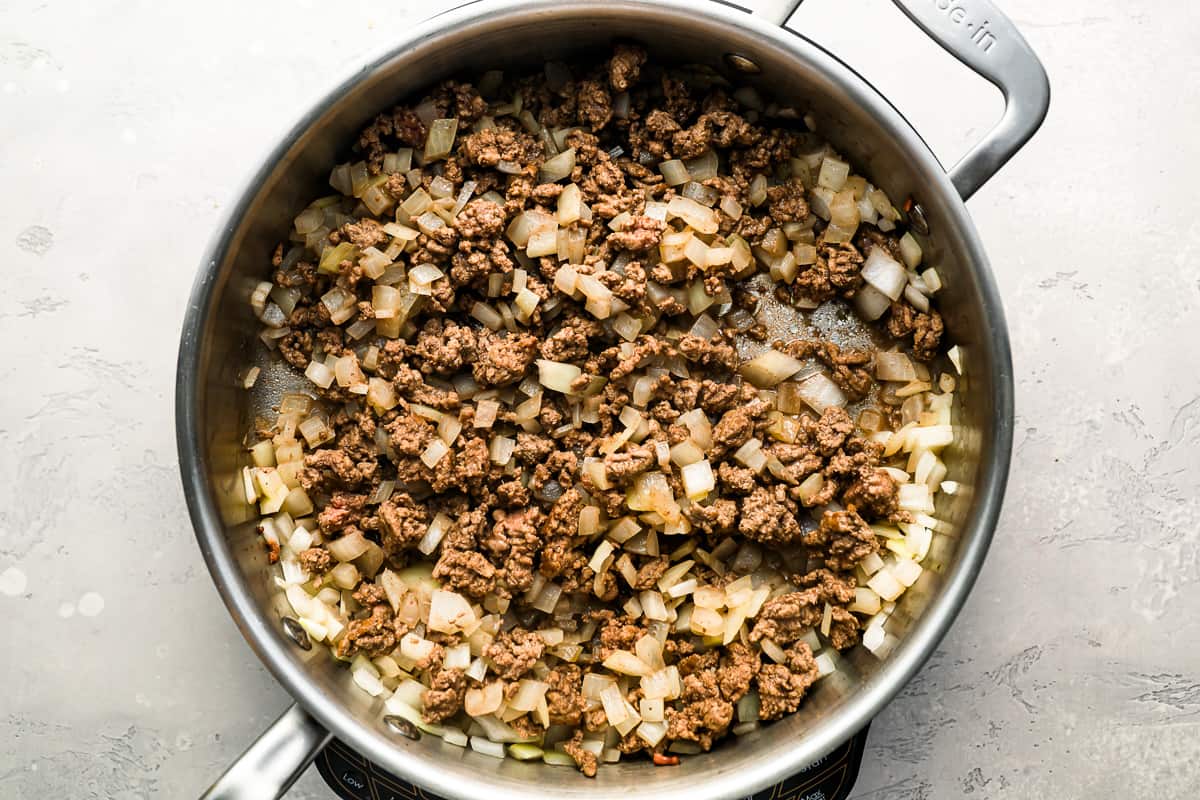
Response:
column 515, row 36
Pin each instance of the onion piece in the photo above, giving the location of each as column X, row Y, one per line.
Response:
column 871, row 303
column 484, row 700
column 884, row 273
column 821, row 393
column 704, row 166
column 770, row 368
column 704, row 195
column 569, row 203
column 833, row 173
column 319, row 374
column 700, row 217
column 891, row 366
column 910, row 251
column 757, row 193
column 556, row 375
column 348, row 547
column 697, row 480
column 674, row 172
column 626, row 663
column 450, row 612
column 558, row 167
column 440, row 140
column 529, row 693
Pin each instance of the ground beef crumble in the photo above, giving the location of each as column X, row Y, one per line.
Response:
column 437, row 450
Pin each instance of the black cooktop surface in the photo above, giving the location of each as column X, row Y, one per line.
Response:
column 352, row 777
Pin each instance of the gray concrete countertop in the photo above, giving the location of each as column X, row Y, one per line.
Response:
column 126, row 127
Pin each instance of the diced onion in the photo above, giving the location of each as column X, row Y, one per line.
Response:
column 450, row 613
column 652, row 732
column 884, row 584
column 894, row 367
column 558, row 167
column 440, row 140
column 348, row 547
column 906, row 572
column 556, row 375
column 833, row 173
column 700, row 217
column 319, row 374
column 821, row 393
column 871, row 303
column 768, row 369
column 501, row 448
column 697, row 479
column 884, row 273
column 434, row 452
column 626, row 663
column 674, row 172
column 910, row 251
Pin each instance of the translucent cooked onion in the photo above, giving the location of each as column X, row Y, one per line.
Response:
column 890, row 366
column 674, row 172
column 424, row 274
column 599, row 297
column 450, row 613
column 526, row 223
column 569, row 203
column 698, row 216
column 833, row 173
column 910, row 251
column 484, row 700
column 348, row 547
column 884, row 273
column 529, row 694
column 542, row 242
column 704, row 195
column 558, row 167
column 697, row 479
column 843, row 210
column 757, row 194
column 770, row 368
column 440, row 140
column 556, row 375
column 916, row 299
column 344, row 575
column 626, row 663
column 319, row 374
column 871, row 303
column 821, row 393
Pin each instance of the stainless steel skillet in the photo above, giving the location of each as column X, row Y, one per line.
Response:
column 219, row 342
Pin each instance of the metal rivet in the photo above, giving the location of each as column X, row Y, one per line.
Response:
column 402, row 726
column 917, row 218
column 297, row 633
column 742, row 64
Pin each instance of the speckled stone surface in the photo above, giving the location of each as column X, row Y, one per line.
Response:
column 125, row 128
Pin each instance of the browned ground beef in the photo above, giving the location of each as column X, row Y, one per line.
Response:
column 511, row 527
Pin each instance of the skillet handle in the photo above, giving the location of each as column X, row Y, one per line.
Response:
column 274, row 761
column 979, row 35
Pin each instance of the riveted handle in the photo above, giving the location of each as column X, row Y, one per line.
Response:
column 979, row 35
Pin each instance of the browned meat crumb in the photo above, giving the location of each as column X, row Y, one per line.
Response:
column 503, row 359
column 466, row 572
column 444, row 697
column 781, row 687
column 585, row 759
column 316, row 560
column 512, row 653
column 625, row 66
